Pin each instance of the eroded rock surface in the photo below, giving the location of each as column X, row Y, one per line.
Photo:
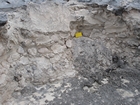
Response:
column 42, row 63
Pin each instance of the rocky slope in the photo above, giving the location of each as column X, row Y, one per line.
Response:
column 42, row 63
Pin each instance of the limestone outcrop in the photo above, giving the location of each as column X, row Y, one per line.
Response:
column 38, row 49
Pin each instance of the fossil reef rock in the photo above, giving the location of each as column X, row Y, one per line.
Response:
column 42, row 63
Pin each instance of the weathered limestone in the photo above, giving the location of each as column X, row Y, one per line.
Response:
column 51, row 20
column 38, row 48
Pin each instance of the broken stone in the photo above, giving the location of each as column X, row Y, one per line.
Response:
column 55, row 58
column 69, row 43
column 32, row 51
column 15, row 56
column 55, row 37
column 24, row 60
column 20, row 50
column 57, row 48
column 5, row 64
column 43, row 50
column 43, row 63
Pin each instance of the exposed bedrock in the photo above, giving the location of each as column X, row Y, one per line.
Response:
column 38, row 47
column 111, row 4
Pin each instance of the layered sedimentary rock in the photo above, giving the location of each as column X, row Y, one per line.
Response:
column 38, row 48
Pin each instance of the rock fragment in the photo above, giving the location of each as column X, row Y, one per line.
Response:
column 32, row 51
column 57, row 48
column 69, row 43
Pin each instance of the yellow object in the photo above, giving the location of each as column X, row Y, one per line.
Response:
column 78, row 34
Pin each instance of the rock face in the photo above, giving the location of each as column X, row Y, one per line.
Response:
column 112, row 4
column 39, row 55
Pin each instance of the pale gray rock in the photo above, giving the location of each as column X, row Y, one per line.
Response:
column 43, row 50
column 57, row 48
column 32, row 51
column 69, row 43
column 20, row 50
column 2, row 79
column 2, row 49
column 24, row 60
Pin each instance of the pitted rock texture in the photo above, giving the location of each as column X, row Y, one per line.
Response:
column 111, row 4
column 39, row 51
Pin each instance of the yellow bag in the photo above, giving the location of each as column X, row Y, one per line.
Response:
column 78, row 34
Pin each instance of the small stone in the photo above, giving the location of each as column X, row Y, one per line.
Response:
column 69, row 43
column 139, row 47
column 32, row 51
column 57, row 48
column 20, row 50
column 5, row 64
column 43, row 63
column 24, row 60
column 55, row 58
column 43, row 50
column 2, row 78
column 63, row 36
column 55, row 37
column 73, row 32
